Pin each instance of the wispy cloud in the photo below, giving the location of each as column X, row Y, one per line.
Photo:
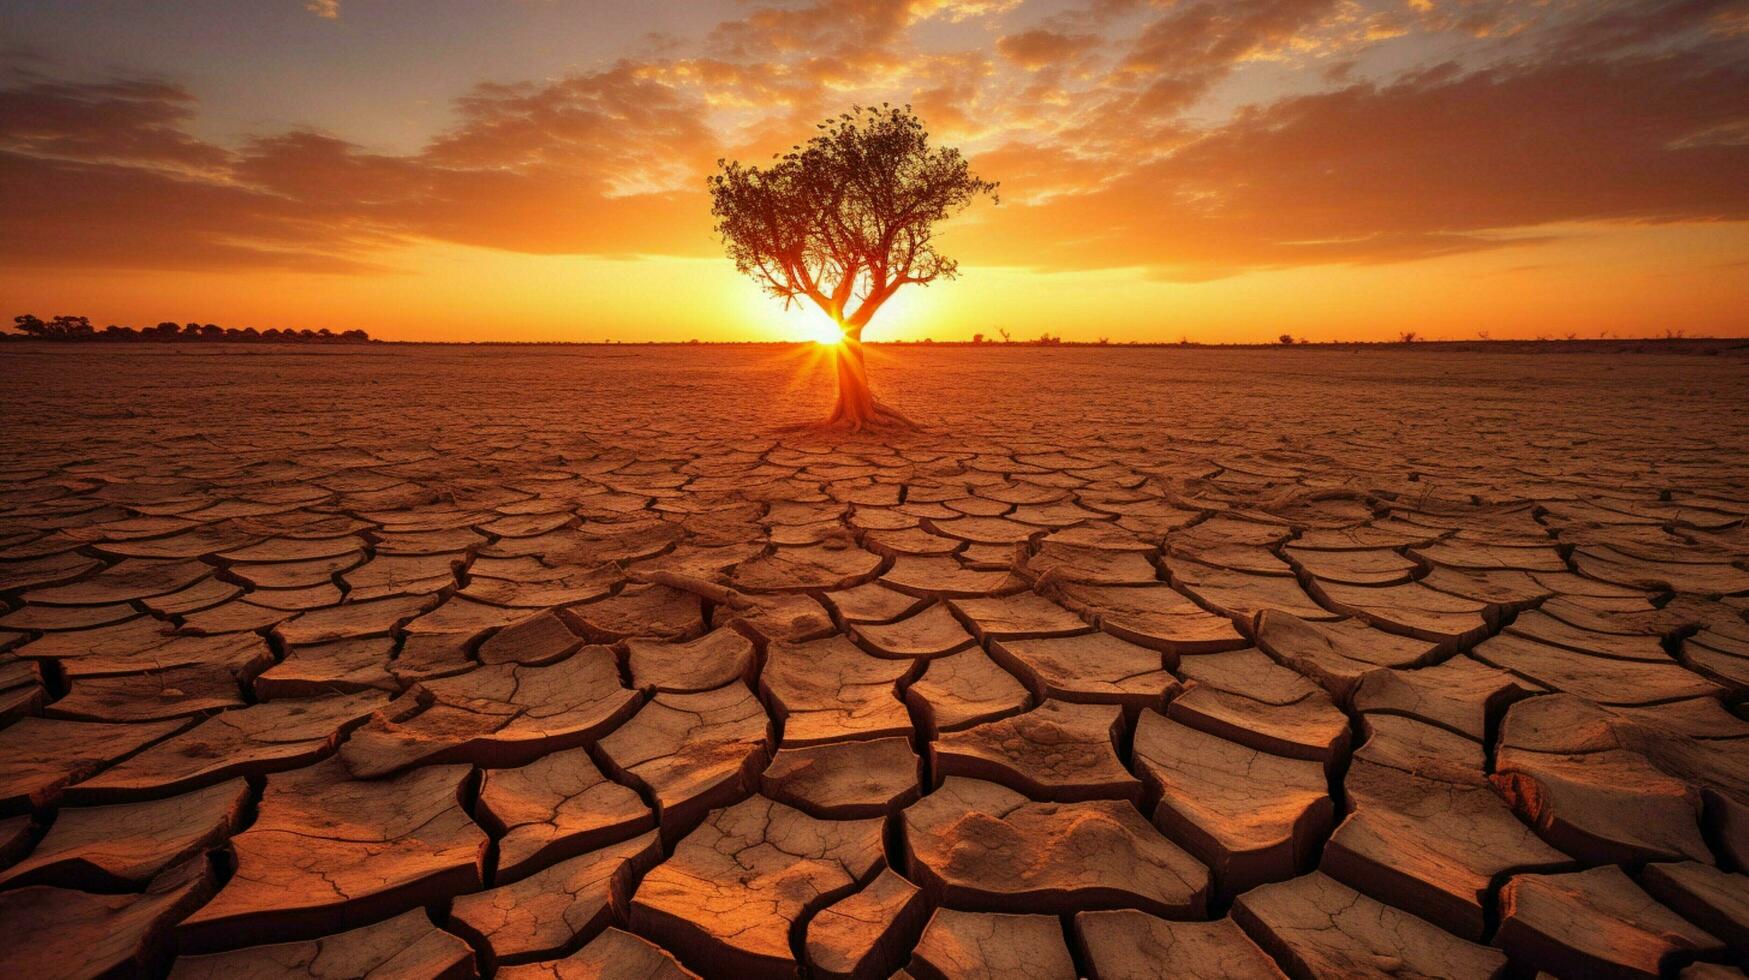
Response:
column 325, row 9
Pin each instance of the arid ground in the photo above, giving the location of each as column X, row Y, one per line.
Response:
column 567, row 662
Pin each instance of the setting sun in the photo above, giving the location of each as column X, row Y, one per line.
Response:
column 822, row 331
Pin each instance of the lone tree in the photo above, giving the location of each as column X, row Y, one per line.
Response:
column 844, row 222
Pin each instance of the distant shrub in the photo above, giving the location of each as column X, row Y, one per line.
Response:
column 78, row 328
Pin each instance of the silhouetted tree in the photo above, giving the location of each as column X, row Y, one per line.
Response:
column 70, row 327
column 79, row 328
column 1287, row 338
column 844, row 222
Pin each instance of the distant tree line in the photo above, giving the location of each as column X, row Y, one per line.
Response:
column 79, row 328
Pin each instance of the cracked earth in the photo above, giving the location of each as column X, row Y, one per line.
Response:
column 436, row 662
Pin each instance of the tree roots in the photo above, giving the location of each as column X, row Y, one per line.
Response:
column 878, row 416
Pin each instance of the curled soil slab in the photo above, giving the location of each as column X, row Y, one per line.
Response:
column 691, row 752
column 1057, row 751
column 989, row 944
column 76, row 933
column 845, row 780
column 726, row 900
column 555, row 909
column 1316, row 926
column 125, row 846
column 1606, row 786
column 1250, row 816
column 1128, row 943
column 613, row 955
column 405, row 945
column 1595, row 923
column 868, row 934
column 328, row 850
column 557, row 806
column 974, row 844
column 831, row 689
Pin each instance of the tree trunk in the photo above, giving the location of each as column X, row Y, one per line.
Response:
column 857, row 407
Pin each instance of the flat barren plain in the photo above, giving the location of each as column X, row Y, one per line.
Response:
column 573, row 662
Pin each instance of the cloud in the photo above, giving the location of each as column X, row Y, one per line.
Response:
column 961, row 10
column 1097, row 122
column 325, row 9
column 62, row 214
column 1181, row 53
column 102, row 176
column 838, row 27
column 1435, row 163
column 1040, row 48
column 140, row 121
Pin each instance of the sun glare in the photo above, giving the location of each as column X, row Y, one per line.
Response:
column 821, row 330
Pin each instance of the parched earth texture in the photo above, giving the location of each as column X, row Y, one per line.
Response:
column 575, row 662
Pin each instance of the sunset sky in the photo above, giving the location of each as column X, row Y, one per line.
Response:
column 1225, row 170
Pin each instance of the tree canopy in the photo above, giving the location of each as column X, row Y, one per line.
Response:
column 848, row 218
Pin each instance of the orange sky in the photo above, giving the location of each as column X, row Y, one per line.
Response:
column 1221, row 171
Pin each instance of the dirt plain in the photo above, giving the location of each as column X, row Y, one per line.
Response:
column 571, row 662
